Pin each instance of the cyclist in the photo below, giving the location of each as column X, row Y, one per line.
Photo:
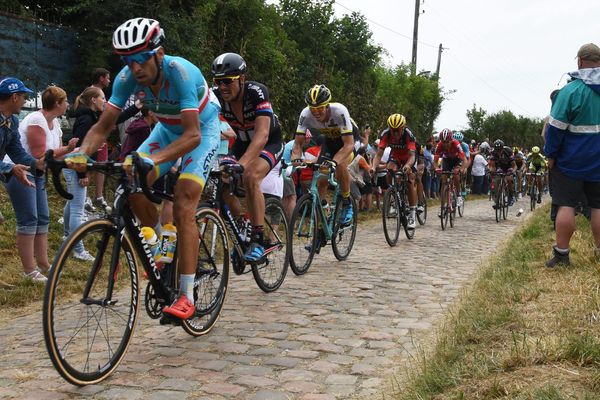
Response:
column 521, row 169
column 332, row 121
column 258, row 146
column 536, row 164
column 465, row 147
column 403, row 146
column 453, row 159
column 176, row 91
column 502, row 159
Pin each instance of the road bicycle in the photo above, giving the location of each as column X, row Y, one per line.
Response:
column 532, row 187
column 314, row 222
column 448, row 204
column 396, row 210
column 501, row 194
column 422, row 208
column 269, row 272
column 91, row 308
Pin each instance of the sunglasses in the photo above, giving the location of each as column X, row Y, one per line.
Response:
column 317, row 109
column 226, row 80
column 139, row 58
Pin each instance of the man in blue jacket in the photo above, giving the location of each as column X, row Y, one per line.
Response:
column 573, row 148
column 13, row 94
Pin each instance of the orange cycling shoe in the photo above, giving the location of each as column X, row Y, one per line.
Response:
column 182, row 308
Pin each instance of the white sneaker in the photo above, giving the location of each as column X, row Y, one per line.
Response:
column 459, row 201
column 420, row 208
column 36, row 276
column 411, row 223
column 84, row 256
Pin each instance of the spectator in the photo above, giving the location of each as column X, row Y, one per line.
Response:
column 88, row 107
column 572, row 147
column 289, row 191
column 478, row 173
column 358, row 183
column 31, row 220
column 427, row 173
column 100, row 80
column 137, row 132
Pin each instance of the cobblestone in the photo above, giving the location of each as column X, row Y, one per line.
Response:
column 335, row 333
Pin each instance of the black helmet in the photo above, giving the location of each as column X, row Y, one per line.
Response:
column 498, row 144
column 317, row 95
column 228, row 64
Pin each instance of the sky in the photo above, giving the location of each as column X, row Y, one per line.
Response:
column 499, row 55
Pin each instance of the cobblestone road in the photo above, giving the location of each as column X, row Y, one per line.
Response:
column 338, row 332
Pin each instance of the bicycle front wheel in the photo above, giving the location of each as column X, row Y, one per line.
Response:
column 270, row 273
column 343, row 234
column 303, row 235
column 391, row 217
column 86, row 332
column 212, row 272
column 452, row 208
column 532, row 197
column 505, row 197
column 443, row 207
column 422, row 210
column 498, row 203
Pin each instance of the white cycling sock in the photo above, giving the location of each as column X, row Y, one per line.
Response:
column 186, row 285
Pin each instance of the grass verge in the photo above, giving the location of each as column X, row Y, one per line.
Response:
column 522, row 331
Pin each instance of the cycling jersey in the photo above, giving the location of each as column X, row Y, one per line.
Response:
column 465, row 148
column 504, row 159
column 401, row 145
column 453, row 150
column 537, row 160
column 335, row 127
column 256, row 103
column 183, row 89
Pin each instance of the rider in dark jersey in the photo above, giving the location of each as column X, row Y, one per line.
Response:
column 258, row 145
column 503, row 160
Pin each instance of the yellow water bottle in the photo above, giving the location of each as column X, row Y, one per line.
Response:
column 168, row 240
column 152, row 240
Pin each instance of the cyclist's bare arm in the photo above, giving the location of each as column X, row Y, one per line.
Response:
column 297, row 149
column 189, row 140
column 377, row 159
column 262, row 124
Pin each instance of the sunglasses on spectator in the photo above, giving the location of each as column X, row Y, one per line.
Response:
column 139, row 58
column 225, row 80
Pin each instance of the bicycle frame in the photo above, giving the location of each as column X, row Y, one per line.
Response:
column 327, row 224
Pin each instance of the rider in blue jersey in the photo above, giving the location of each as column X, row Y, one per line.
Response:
column 175, row 90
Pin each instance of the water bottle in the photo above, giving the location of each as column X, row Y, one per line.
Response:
column 152, row 240
column 519, row 212
column 168, row 240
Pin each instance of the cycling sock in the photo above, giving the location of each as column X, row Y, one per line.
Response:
column 564, row 252
column 345, row 195
column 186, row 285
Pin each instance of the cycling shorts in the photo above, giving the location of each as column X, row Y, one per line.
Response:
column 448, row 164
column 271, row 153
column 330, row 148
column 196, row 164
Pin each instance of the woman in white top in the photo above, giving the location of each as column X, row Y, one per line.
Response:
column 39, row 131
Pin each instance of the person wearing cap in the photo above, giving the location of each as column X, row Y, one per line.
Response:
column 572, row 147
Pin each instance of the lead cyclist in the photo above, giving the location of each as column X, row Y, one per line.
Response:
column 176, row 91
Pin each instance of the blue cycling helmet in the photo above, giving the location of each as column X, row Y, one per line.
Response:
column 458, row 136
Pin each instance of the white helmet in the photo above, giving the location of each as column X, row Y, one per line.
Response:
column 136, row 35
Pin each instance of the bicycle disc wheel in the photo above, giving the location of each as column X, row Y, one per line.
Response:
column 303, row 235
column 87, row 337
column 343, row 235
column 212, row 272
column 270, row 273
column 391, row 217
column 422, row 215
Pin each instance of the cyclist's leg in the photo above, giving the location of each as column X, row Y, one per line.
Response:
column 143, row 208
column 237, row 150
column 343, row 177
column 194, row 172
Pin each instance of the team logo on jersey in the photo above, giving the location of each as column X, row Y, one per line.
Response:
column 141, row 95
column 154, row 146
column 263, row 106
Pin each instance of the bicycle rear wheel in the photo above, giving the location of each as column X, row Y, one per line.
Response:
column 212, row 272
column 343, row 235
column 532, row 197
column 303, row 235
column 409, row 232
column 270, row 273
column 87, row 335
column 391, row 216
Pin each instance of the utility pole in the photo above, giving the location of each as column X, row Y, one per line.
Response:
column 437, row 70
column 415, row 36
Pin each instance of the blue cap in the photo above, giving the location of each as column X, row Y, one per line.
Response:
column 11, row 85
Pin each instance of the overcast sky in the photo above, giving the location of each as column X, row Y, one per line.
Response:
column 501, row 55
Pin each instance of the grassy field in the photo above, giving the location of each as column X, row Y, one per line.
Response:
column 522, row 331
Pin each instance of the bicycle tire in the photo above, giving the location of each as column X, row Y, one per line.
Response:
column 443, row 208
column 212, row 272
column 422, row 216
column 391, row 222
column 505, row 197
column 409, row 232
column 498, row 202
column 532, row 196
column 270, row 274
column 343, row 234
column 303, row 224
column 452, row 208
column 62, row 306
column 461, row 208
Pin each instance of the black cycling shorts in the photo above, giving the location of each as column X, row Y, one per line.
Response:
column 271, row 153
column 448, row 164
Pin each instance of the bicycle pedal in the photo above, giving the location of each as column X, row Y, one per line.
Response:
column 167, row 319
